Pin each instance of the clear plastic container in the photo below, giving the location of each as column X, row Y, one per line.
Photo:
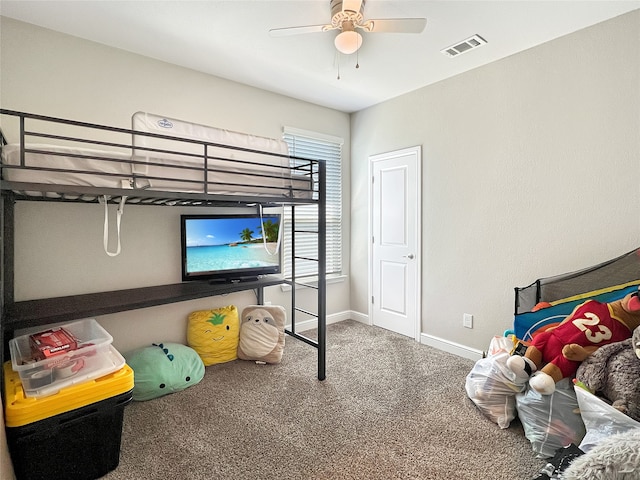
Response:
column 92, row 358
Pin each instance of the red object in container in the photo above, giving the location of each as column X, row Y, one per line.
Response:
column 52, row 342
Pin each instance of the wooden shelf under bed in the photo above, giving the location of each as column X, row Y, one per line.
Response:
column 33, row 313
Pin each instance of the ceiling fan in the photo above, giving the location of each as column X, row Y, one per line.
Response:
column 348, row 17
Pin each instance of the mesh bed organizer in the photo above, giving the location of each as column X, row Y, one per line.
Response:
column 605, row 282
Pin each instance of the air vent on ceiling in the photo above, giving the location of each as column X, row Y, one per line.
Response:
column 464, row 46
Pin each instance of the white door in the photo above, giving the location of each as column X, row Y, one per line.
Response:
column 395, row 241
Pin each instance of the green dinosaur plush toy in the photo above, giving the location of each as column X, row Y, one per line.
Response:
column 164, row 368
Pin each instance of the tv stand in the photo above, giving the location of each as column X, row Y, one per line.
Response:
column 243, row 279
column 236, row 280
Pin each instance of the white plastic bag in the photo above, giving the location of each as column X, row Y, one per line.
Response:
column 600, row 419
column 551, row 421
column 492, row 386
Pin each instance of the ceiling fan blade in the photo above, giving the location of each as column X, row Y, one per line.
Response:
column 282, row 32
column 395, row 25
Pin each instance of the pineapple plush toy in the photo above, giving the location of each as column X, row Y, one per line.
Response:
column 214, row 334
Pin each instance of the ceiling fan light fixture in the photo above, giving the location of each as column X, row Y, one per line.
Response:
column 348, row 42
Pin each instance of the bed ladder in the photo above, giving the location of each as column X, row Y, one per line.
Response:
column 320, row 288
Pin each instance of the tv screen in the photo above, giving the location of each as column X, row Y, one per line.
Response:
column 229, row 248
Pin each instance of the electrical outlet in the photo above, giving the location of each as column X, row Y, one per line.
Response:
column 467, row 320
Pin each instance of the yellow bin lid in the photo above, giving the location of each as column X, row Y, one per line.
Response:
column 21, row 410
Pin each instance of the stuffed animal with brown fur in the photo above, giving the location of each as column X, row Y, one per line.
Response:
column 613, row 371
column 556, row 353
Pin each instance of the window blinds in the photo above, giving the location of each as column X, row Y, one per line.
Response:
column 309, row 145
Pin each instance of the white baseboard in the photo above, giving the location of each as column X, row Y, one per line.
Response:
column 359, row 317
column 430, row 340
column 451, row 347
column 425, row 339
column 301, row 326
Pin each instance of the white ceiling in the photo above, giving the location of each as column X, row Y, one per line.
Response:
column 230, row 39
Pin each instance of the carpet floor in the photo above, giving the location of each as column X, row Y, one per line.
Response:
column 390, row 408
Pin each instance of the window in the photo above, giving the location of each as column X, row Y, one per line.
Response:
column 312, row 145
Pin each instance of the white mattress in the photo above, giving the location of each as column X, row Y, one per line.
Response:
column 61, row 166
column 160, row 170
column 259, row 173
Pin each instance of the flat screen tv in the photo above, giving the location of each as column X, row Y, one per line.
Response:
column 230, row 248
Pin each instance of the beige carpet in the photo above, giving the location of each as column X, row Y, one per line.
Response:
column 389, row 408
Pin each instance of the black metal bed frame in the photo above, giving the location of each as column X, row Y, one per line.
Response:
column 23, row 314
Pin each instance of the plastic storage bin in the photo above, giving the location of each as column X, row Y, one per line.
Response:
column 93, row 358
column 74, row 434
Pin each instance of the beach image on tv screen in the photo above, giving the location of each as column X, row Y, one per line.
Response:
column 234, row 243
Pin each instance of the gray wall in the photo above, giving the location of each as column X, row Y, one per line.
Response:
column 531, row 168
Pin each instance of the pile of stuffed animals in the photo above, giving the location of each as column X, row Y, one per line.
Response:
column 598, row 344
column 213, row 337
column 597, row 347
column 586, row 433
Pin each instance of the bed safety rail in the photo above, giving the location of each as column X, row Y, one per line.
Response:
column 136, row 163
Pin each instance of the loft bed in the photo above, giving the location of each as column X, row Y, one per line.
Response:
column 160, row 161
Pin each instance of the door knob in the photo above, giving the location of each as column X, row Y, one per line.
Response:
column 410, row 256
